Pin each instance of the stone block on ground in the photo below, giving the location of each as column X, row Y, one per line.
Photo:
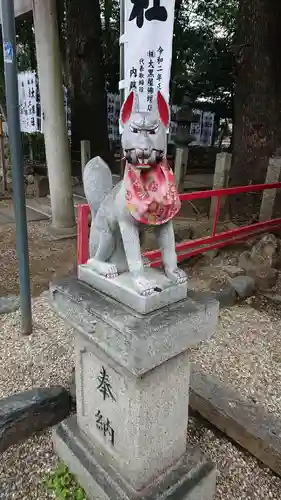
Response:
column 246, row 423
column 265, row 250
column 9, row 304
column 183, row 234
column 29, row 190
column 41, row 186
column 72, row 387
column 265, row 278
column 261, row 271
column 275, row 297
column 244, row 286
column 23, row 414
column 246, row 263
column 224, row 293
column 233, row 271
column 59, row 234
column 210, row 255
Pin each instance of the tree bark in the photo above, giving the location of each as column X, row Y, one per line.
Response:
column 86, row 79
column 257, row 116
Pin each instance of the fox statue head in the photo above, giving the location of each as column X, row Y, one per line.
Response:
column 144, row 137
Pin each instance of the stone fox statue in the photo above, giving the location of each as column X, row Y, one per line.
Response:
column 147, row 196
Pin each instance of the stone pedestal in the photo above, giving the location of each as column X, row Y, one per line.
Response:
column 128, row 440
column 221, row 177
column 269, row 196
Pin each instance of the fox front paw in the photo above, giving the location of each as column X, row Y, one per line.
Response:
column 112, row 272
column 104, row 268
column 145, row 287
column 177, row 275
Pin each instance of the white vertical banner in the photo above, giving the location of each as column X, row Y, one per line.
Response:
column 207, row 128
column 113, row 112
column 196, row 127
column 28, row 101
column 148, row 39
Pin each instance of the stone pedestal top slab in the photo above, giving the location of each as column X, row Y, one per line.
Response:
column 136, row 343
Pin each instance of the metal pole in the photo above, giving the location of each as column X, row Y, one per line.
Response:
column 11, row 83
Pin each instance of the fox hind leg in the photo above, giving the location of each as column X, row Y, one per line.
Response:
column 104, row 249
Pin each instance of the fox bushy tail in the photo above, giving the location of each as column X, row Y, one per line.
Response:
column 97, row 180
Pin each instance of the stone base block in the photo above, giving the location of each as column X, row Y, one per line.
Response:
column 32, row 411
column 121, row 289
column 191, row 478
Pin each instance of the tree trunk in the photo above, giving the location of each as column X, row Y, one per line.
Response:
column 86, row 79
column 257, row 116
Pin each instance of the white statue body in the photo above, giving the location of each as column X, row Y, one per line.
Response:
column 145, row 197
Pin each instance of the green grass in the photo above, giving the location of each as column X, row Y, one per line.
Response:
column 64, row 485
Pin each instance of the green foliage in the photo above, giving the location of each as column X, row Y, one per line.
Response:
column 110, row 17
column 204, row 63
column 26, row 52
column 26, row 56
column 63, row 485
column 203, row 66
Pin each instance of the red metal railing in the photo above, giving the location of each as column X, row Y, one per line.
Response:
column 190, row 248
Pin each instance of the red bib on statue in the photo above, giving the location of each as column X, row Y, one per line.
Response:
column 151, row 195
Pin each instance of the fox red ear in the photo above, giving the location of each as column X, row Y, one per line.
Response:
column 127, row 108
column 163, row 110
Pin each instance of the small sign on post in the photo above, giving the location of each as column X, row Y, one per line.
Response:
column 8, row 51
column 28, row 102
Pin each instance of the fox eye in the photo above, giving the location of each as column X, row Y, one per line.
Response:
column 134, row 130
column 153, row 131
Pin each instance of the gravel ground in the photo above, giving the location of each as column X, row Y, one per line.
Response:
column 47, row 258
column 240, row 476
column 246, row 353
column 45, row 358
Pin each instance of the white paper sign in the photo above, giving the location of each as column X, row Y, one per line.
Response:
column 148, row 40
column 202, row 130
column 28, row 101
column 196, row 127
column 113, row 111
column 207, row 128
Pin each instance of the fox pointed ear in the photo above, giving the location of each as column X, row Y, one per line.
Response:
column 130, row 105
column 161, row 107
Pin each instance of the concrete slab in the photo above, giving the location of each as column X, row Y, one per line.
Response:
column 191, row 478
column 7, row 215
column 138, row 343
column 21, row 7
column 198, row 182
column 41, row 205
column 9, row 304
column 245, row 422
column 53, row 234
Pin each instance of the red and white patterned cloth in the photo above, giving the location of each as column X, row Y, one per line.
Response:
column 151, row 195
